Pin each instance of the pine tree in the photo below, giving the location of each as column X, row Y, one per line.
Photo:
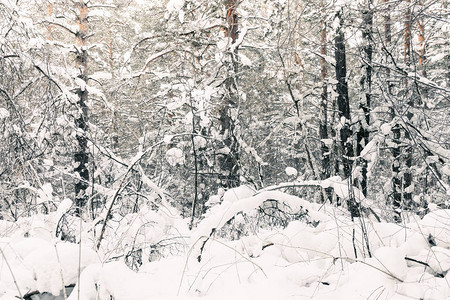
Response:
column 228, row 112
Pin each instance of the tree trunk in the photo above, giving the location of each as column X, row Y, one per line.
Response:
column 422, row 45
column 323, row 126
column 387, row 40
column 402, row 155
column 49, row 26
column 366, row 85
column 396, row 178
column 344, row 112
column 230, row 161
column 407, row 41
column 407, row 177
column 81, row 122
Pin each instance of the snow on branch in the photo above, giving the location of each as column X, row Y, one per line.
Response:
column 228, row 209
column 340, row 187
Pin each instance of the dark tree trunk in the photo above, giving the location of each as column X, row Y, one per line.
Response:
column 387, row 40
column 323, row 126
column 81, row 122
column 407, row 193
column 396, row 130
column 366, row 85
column 396, row 180
column 344, row 112
column 402, row 151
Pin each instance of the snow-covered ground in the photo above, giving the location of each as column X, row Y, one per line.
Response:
column 328, row 257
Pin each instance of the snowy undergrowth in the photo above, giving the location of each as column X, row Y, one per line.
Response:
column 326, row 256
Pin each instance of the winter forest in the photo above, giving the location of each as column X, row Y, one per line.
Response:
column 224, row 149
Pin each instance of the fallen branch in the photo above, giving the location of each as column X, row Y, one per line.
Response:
column 437, row 274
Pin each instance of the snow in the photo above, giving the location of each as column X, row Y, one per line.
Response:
column 275, row 242
column 390, row 260
column 386, row 128
column 4, row 113
column 343, row 189
column 175, row 156
column 245, row 60
column 239, row 193
column 291, row 172
column 45, row 263
column 292, row 120
column 437, row 224
column 314, row 259
column 168, row 138
column 327, row 142
column 199, row 142
column 369, row 149
column 446, row 169
column 45, row 193
column 63, row 207
column 42, row 265
column 81, row 83
column 329, row 59
column 175, row 5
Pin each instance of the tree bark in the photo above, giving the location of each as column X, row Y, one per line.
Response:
column 230, row 161
column 49, row 26
column 407, row 40
column 402, row 154
column 366, row 85
column 407, row 177
column 344, row 112
column 387, row 40
column 422, row 45
column 396, row 178
column 81, row 122
column 323, row 126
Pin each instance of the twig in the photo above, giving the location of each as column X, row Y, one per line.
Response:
column 207, row 238
column 367, row 264
column 130, row 167
column 49, row 78
column 102, row 232
column 12, row 273
column 418, row 261
column 61, row 272
column 79, row 262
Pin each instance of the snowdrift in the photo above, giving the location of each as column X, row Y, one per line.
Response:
column 328, row 256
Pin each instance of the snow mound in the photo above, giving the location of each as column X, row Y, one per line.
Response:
column 40, row 265
column 436, row 226
column 327, row 256
column 238, row 193
column 50, row 262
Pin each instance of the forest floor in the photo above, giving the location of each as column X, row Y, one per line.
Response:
column 326, row 256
